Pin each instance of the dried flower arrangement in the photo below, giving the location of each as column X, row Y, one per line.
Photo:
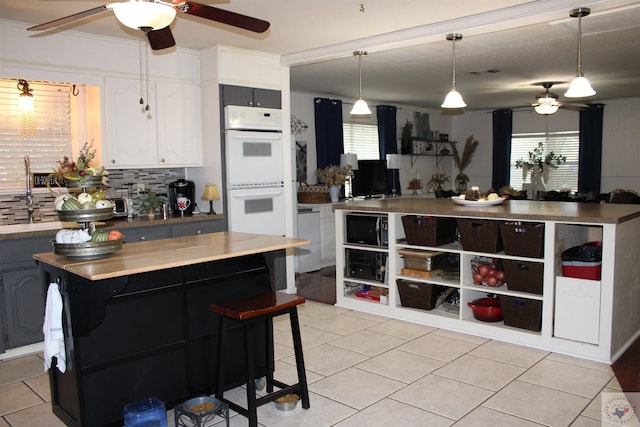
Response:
column 333, row 175
column 463, row 161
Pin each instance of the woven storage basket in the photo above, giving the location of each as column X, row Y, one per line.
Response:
column 523, row 238
column 480, row 235
column 429, row 230
column 521, row 313
column 313, row 193
column 524, row 276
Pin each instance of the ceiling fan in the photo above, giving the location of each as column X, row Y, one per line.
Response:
column 154, row 16
column 547, row 102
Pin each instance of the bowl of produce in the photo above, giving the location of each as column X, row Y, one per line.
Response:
column 486, row 309
column 487, row 273
column 78, row 244
column 83, row 208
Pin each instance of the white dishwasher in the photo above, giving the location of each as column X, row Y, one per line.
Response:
column 308, row 256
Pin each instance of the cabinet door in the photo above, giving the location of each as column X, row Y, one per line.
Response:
column 139, row 234
column 131, row 135
column 179, row 125
column 267, row 98
column 237, row 95
column 328, row 235
column 193, row 228
column 24, row 304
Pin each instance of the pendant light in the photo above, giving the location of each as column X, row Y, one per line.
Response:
column 580, row 86
column 360, row 108
column 138, row 14
column 453, row 98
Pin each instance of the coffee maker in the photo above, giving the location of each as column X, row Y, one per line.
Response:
column 182, row 188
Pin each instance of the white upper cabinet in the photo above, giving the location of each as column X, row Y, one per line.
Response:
column 131, row 131
column 179, row 124
column 167, row 135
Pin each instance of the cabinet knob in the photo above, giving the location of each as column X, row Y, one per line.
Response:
column 250, row 103
column 198, row 232
column 143, row 238
column 161, row 160
column 112, row 161
column 257, row 104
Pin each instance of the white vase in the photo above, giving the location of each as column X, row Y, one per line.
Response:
column 334, row 193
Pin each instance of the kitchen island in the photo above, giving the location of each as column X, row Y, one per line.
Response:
column 591, row 318
column 136, row 323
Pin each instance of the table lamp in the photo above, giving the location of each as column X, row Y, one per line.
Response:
column 211, row 193
column 394, row 162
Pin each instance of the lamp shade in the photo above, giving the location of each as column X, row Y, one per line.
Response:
column 453, row 100
column 360, row 108
column 579, row 88
column 349, row 159
column 142, row 14
column 210, row 192
column 394, row 161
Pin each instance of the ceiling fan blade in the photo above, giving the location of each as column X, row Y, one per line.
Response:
column 226, row 17
column 68, row 19
column 161, row 39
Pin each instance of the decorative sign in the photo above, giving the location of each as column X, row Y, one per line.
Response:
column 40, row 179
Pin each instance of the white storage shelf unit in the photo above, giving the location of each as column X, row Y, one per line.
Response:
column 579, row 317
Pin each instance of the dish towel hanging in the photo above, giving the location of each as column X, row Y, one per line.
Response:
column 52, row 329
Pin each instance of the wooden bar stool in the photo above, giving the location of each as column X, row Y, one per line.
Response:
column 247, row 312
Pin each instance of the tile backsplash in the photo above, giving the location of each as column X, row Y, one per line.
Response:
column 13, row 207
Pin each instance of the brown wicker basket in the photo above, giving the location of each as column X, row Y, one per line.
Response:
column 313, row 193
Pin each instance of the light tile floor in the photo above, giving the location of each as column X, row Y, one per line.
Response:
column 365, row 370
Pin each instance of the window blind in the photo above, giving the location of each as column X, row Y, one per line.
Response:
column 566, row 143
column 361, row 139
column 44, row 134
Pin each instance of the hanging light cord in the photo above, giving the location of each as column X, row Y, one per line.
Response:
column 360, row 74
column 453, row 60
column 579, row 59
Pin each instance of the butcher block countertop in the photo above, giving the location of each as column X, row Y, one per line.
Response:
column 161, row 254
column 510, row 209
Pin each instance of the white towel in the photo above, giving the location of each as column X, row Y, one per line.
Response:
column 52, row 328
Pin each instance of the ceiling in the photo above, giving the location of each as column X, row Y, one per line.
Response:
column 507, row 45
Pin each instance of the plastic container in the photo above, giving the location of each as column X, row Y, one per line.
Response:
column 583, row 262
column 148, row 412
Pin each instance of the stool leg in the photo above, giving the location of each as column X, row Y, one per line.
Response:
column 268, row 333
column 249, row 358
column 297, row 346
column 222, row 336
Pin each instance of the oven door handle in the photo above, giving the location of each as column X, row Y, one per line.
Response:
column 242, row 194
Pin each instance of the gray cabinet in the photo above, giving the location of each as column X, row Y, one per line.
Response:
column 152, row 232
column 250, row 97
column 22, row 304
column 200, row 227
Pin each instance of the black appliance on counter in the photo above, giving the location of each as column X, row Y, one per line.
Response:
column 182, row 188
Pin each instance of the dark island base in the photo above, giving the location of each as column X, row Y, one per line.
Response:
column 149, row 335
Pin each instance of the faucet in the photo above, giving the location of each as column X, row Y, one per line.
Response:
column 27, row 167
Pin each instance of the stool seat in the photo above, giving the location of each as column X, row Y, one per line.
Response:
column 259, row 310
column 259, row 305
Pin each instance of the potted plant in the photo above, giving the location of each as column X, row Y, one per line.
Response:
column 149, row 202
column 463, row 161
column 540, row 165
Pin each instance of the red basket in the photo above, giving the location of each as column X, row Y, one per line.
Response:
column 523, row 238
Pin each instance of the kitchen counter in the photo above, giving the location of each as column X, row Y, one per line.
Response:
column 161, row 254
column 137, row 323
column 510, row 209
column 49, row 228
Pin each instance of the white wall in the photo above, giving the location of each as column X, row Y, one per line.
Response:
column 621, row 134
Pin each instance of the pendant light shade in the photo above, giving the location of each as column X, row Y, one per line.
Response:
column 453, row 98
column 138, row 14
column 580, row 86
column 360, row 108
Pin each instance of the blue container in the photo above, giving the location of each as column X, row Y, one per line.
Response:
column 149, row 412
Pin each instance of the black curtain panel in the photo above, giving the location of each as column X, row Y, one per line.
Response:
column 388, row 141
column 502, row 129
column 590, row 163
column 328, row 121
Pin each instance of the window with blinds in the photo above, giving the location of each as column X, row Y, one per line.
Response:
column 44, row 134
column 361, row 139
column 566, row 143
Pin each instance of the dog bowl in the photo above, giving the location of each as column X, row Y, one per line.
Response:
column 287, row 402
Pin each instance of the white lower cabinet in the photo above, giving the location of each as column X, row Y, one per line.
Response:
column 541, row 309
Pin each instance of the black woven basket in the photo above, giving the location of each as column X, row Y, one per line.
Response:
column 429, row 230
column 521, row 313
column 524, row 276
column 419, row 295
column 480, row 235
column 523, row 238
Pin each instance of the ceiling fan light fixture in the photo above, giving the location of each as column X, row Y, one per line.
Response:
column 139, row 14
column 547, row 108
column 453, row 98
column 580, row 86
column 360, row 108
column 25, row 103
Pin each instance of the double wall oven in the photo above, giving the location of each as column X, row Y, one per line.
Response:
column 254, row 150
